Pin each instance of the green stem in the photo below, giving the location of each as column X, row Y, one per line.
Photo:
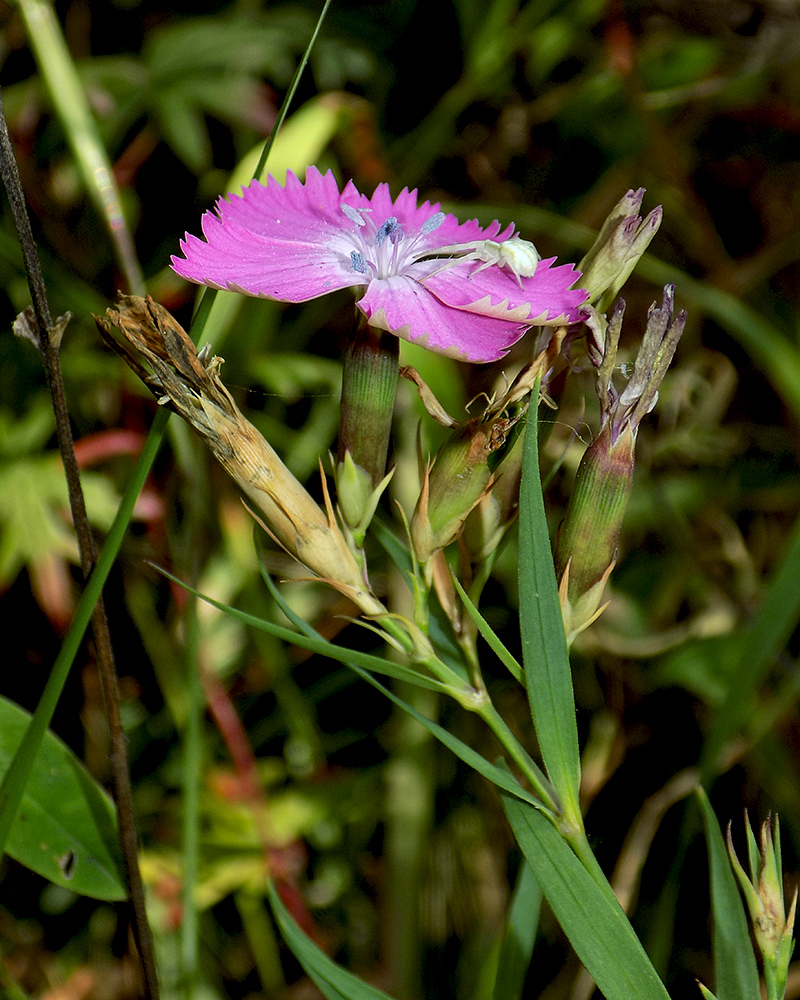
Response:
column 582, row 849
column 16, row 777
column 410, row 791
column 191, row 779
column 538, row 781
column 287, row 101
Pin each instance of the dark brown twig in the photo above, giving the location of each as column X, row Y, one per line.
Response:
column 36, row 324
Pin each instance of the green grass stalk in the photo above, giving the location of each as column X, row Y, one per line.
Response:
column 191, row 776
column 65, row 89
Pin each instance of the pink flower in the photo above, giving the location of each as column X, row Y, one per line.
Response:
column 302, row 241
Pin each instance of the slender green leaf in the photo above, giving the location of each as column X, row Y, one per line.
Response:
column 316, row 645
column 489, row 635
column 734, row 959
column 331, row 979
column 65, row 89
column 593, row 921
column 284, row 110
column 65, row 829
column 547, row 669
column 497, row 775
column 517, row 948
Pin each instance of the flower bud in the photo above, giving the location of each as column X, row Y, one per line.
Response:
column 497, row 509
column 587, row 542
column 163, row 355
column 356, row 496
column 587, row 545
column 454, row 483
column 622, row 240
column 763, row 893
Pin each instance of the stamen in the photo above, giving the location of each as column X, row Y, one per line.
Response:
column 387, row 229
column 433, row 223
column 355, row 214
column 359, row 261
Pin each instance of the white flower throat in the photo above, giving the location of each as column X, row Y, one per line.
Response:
column 386, row 250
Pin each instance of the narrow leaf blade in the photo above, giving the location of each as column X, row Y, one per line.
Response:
column 315, row 643
column 499, row 776
column 597, row 928
column 492, row 639
column 734, row 959
column 546, row 661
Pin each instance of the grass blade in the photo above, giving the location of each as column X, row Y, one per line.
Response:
column 594, row 922
column 489, row 635
column 734, row 960
column 497, row 775
column 315, row 644
column 547, row 668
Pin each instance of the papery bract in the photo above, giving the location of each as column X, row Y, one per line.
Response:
column 305, row 240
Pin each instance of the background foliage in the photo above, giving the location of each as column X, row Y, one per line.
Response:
column 542, row 112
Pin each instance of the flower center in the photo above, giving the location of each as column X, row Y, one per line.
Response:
column 386, row 250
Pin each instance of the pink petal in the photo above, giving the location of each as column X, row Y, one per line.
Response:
column 291, row 243
column 544, row 299
column 407, row 309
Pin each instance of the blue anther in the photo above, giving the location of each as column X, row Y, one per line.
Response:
column 387, row 229
column 359, row 262
column 354, row 214
column 433, row 223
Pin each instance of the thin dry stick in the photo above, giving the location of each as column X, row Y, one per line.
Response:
column 37, row 325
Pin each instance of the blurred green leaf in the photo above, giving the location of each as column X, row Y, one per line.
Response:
column 334, row 982
column 314, row 382
column 702, row 666
column 521, row 926
column 21, row 435
column 66, row 825
column 760, row 642
column 218, row 65
column 677, row 61
column 34, row 504
column 302, row 141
